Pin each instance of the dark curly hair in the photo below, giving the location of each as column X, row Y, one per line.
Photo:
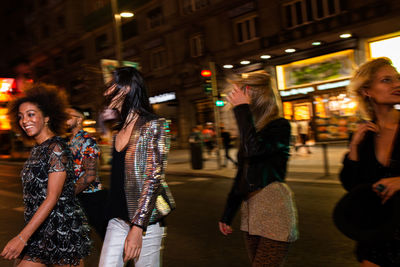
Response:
column 51, row 101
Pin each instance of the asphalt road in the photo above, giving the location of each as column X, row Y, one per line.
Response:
column 193, row 238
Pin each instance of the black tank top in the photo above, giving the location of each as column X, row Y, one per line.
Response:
column 117, row 207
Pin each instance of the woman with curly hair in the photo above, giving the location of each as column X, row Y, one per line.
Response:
column 55, row 232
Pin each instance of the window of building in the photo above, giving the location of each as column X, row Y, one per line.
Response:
column 94, row 5
column 246, row 29
column 299, row 12
column 61, row 22
column 155, row 18
column 58, row 62
column 190, row 6
column 41, row 71
column 75, row 54
column 45, row 31
column 101, row 42
column 158, row 58
column 197, row 45
column 129, row 29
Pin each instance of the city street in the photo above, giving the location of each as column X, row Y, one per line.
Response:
column 193, row 237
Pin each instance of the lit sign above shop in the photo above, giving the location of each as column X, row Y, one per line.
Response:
column 297, row 91
column 327, row 86
column 386, row 47
column 162, row 98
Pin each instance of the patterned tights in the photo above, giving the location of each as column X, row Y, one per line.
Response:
column 264, row 252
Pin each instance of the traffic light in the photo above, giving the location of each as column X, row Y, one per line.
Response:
column 206, row 74
column 219, row 103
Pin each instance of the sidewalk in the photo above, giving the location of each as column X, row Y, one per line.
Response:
column 302, row 167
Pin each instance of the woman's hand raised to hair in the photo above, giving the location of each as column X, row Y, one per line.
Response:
column 238, row 97
column 358, row 136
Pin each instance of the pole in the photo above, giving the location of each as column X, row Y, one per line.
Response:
column 117, row 29
column 216, row 111
column 325, row 155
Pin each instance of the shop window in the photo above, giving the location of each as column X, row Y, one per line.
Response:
column 158, row 59
column 386, row 47
column 190, row 6
column 155, row 18
column 197, row 45
column 300, row 12
column 335, row 116
column 246, row 29
column 101, row 42
column 75, row 54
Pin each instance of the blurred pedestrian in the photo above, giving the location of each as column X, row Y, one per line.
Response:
column 374, row 156
column 209, row 136
column 294, row 133
column 139, row 195
column 88, row 187
column 55, row 231
column 268, row 211
column 227, row 142
column 196, row 148
column 303, row 130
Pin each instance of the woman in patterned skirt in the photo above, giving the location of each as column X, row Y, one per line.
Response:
column 268, row 212
column 55, row 232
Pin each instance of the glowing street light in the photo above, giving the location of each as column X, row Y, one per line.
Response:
column 117, row 27
column 126, row 14
column 345, row 35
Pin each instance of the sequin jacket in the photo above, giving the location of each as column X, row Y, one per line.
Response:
column 145, row 163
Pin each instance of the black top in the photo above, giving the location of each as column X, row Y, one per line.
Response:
column 368, row 169
column 262, row 158
column 117, row 207
column 226, row 139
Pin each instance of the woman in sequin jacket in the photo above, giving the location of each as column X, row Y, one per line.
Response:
column 139, row 196
column 268, row 211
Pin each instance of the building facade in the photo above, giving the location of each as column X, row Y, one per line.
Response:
column 173, row 40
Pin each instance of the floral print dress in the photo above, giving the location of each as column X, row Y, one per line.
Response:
column 63, row 238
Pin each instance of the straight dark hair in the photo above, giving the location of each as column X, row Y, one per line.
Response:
column 136, row 100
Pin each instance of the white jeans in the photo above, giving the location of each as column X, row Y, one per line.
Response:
column 113, row 245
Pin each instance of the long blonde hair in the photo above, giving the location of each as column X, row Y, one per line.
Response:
column 265, row 103
column 362, row 80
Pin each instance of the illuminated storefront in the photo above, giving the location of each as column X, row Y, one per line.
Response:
column 385, row 46
column 314, row 90
column 6, row 89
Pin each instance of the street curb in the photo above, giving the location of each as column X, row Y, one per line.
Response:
column 197, row 174
column 318, row 180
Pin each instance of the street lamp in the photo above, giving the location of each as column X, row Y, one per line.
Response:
column 126, row 14
column 117, row 28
